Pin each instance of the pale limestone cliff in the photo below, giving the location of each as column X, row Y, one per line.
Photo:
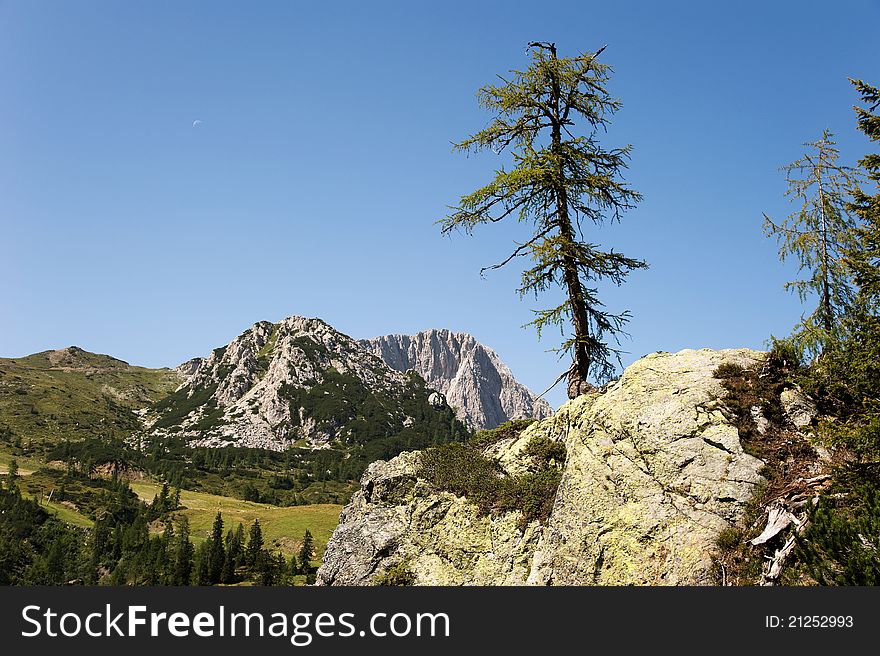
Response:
column 654, row 472
column 470, row 375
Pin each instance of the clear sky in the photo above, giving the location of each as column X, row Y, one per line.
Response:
column 323, row 160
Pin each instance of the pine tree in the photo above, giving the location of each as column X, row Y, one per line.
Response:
column 306, row 551
column 164, row 570
column 280, row 568
column 233, row 554
column 266, row 569
column 217, row 551
column 183, row 553
column 12, row 476
column 202, row 565
column 56, row 562
column 849, row 379
column 817, row 234
column 841, row 544
column 562, row 180
column 255, row 544
column 864, row 256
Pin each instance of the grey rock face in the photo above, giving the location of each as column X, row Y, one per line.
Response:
column 654, row 472
column 472, row 377
column 188, row 368
column 395, row 517
column 798, row 407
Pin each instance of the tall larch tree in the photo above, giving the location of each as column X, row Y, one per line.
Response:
column 817, row 234
column 562, row 180
column 864, row 256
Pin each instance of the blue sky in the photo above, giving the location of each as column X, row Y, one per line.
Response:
column 324, row 159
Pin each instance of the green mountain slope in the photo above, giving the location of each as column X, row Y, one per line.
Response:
column 71, row 394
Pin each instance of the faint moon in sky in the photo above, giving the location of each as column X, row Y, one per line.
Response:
column 197, row 123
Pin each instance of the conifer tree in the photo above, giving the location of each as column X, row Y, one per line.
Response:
column 163, row 565
column 841, row 545
column 848, row 380
column 306, row 551
column 864, row 256
column 817, row 234
column 234, row 549
column 255, row 544
column 217, row 551
column 202, row 567
column 183, row 553
column 562, row 181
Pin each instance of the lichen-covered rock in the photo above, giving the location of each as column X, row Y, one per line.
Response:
column 654, row 472
column 396, row 517
column 798, row 408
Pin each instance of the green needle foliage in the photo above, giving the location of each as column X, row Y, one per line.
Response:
column 847, row 380
column 816, row 235
column 840, row 547
column 864, row 256
column 548, row 118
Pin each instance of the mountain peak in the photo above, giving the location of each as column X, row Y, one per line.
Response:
column 473, row 378
column 298, row 381
column 74, row 357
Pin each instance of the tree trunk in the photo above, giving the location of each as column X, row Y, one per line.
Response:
column 827, row 317
column 579, row 372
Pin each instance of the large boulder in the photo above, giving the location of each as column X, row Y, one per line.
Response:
column 654, row 472
column 442, row 539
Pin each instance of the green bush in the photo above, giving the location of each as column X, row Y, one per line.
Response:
column 464, row 470
column 398, row 575
column 728, row 370
column 730, row 538
column 841, row 546
column 845, row 381
column 545, row 451
column 784, row 354
column 486, row 438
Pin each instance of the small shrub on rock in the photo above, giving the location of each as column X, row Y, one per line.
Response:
column 398, row 575
column 464, row 470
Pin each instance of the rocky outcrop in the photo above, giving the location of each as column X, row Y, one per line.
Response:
column 654, row 472
column 397, row 518
column 472, row 377
column 799, row 409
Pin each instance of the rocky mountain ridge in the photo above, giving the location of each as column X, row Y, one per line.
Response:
column 300, row 382
column 295, row 382
column 474, row 380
